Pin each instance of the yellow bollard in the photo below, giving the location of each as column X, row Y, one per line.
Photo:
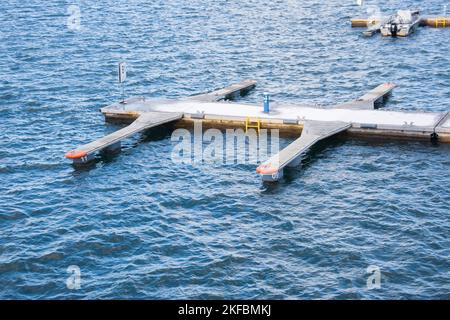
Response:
column 252, row 124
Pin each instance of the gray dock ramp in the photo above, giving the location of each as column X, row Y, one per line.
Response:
column 231, row 92
column 371, row 100
column 111, row 142
column 313, row 132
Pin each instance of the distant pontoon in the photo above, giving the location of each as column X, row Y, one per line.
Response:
column 401, row 24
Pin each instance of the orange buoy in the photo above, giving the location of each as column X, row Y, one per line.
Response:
column 75, row 154
column 265, row 169
column 389, row 84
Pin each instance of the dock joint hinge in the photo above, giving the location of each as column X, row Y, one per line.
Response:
column 434, row 136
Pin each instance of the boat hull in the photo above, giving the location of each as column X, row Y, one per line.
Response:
column 402, row 30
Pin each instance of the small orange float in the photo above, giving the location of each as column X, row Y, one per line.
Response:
column 265, row 169
column 75, row 154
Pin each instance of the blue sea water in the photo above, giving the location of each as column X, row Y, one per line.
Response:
column 139, row 226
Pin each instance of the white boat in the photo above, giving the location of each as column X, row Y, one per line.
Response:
column 401, row 24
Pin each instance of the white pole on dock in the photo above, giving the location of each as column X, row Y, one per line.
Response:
column 122, row 77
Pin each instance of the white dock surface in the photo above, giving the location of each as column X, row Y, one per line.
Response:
column 301, row 113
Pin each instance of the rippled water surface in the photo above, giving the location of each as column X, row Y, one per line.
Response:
column 139, row 226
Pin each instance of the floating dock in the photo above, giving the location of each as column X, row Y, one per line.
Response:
column 434, row 22
column 358, row 117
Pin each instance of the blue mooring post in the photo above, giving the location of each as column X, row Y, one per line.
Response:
column 266, row 103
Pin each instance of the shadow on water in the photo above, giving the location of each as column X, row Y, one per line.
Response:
column 82, row 170
column 156, row 134
column 382, row 142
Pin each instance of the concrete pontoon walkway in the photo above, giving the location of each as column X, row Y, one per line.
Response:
column 313, row 132
column 111, row 142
